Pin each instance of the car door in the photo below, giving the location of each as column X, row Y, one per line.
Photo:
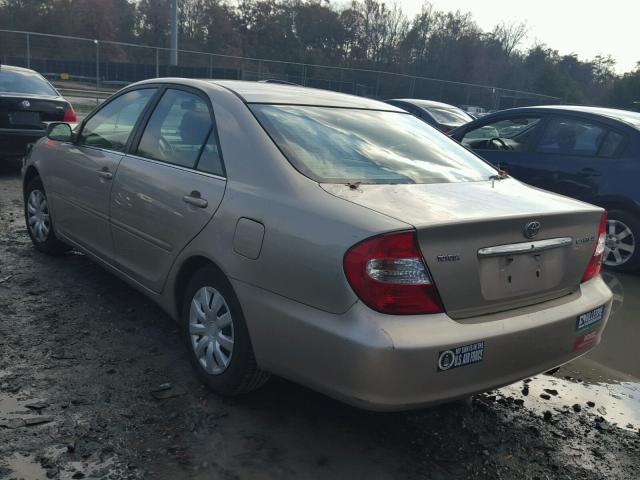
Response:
column 168, row 187
column 81, row 175
column 507, row 143
column 578, row 155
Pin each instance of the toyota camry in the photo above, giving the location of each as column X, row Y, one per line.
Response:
column 330, row 239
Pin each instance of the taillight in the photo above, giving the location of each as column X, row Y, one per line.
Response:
column 389, row 275
column 69, row 115
column 595, row 264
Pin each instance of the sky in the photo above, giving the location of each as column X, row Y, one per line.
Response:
column 584, row 27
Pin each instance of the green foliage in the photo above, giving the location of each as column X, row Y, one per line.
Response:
column 363, row 33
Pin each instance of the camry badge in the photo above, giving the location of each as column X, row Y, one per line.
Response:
column 25, row 103
column 531, row 229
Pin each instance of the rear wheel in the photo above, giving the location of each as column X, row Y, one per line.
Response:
column 39, row 221
column 623, row 233
column 217, row 337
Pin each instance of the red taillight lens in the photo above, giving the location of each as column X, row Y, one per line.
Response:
column 595, row 264
column 388, row 274
column 69, row 115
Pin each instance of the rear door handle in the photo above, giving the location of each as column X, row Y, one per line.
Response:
column 106, row 174
column 589, row 172
column 195, row 199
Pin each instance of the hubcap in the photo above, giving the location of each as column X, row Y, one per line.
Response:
column 211, row 330
column 38, row 216
column 620, row 243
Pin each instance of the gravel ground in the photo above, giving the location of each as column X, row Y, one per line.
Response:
column 94, row 383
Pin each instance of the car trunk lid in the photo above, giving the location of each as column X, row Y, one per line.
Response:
column 28, row 112
column 472, row 236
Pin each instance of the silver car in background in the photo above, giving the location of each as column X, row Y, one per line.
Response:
column 333, row 240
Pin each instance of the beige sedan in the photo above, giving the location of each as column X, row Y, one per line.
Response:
column 330, row 239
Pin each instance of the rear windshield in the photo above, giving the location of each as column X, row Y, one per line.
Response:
column 341, row 145
column 448, row 117
column 24, row 82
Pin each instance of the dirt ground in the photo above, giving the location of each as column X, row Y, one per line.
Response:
column 94, row 383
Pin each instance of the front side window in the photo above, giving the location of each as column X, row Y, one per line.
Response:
column 112, row 125
column 513, row 134
column 177, row 129
column 338, row 145
column 568, row 136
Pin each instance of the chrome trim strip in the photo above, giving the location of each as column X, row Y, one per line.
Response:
column 178, row 167
column 525, row 247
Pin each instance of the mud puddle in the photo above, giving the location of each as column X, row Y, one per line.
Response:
column 607, row 377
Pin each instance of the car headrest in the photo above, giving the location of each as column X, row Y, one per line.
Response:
column 194, row 127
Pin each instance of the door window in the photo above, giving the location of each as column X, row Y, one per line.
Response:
column 513, row 134
column 611, row 145
column 112, row 125
column 568, row 136
column 210, row 159
column 177, row 129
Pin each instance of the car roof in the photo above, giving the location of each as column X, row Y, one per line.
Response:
column 13, row 68
column 625, row 116
column 275, row 93
column 424, row 103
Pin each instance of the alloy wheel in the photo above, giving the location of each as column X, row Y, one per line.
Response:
column 38, row 216
column 620, row 243
column 211, row 330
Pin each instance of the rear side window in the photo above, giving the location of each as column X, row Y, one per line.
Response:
column 339, row 145
column 112, row 125
column 612, row 144
column 513, row 134
column 568, row 136
column 210, row 159
column 177, row 129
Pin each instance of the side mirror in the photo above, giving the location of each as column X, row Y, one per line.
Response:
column 59, row 131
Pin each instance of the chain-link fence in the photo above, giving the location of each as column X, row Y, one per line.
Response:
column 77, row 63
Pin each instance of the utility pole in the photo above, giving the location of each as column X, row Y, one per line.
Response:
column 173, row 58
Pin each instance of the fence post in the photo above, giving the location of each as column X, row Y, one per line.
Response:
column 157, row 62
column 210, row 65
column 28, row 51
column 97, row 64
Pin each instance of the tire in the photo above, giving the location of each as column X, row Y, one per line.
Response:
column 623, row 234
column 204, row 337
column 38, row 220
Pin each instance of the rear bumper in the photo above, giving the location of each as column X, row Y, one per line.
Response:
column 13, row 142
column 383, row 362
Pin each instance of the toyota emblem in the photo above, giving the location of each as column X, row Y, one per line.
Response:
column 531, row 229
column 25, row 103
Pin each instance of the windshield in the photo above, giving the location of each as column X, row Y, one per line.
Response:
column 341, row 145
column 24, row 82
column 448, row 116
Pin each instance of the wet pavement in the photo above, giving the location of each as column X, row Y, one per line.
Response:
column 609, row 375
column 83, row 356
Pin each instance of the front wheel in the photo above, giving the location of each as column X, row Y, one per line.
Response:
column 217, row 337
column 38, row 219
column 622, row 252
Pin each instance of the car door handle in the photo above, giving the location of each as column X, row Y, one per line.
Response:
column 106, row 174
column 589, row 172
column 195, row 199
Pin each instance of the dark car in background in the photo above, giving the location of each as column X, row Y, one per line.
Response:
column 589, row 153
column 27, row 102
column 443, row 116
